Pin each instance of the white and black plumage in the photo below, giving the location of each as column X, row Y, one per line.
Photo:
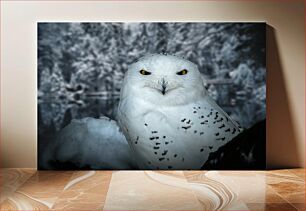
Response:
column 168, row 117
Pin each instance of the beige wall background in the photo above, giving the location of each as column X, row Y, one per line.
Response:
column 285, row 64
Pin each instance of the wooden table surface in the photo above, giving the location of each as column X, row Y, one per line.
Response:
column 29, row 189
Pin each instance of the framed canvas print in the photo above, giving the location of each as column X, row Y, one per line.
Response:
column 151, row 95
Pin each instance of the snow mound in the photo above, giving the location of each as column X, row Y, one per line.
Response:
column 89, row 143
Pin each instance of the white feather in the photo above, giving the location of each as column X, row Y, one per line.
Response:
column 177, row 129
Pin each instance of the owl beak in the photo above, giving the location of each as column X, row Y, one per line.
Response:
column 163, row 91
column 163, row 86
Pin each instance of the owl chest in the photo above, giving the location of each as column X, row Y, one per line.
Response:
column 165, row 138
column 174, row 122
column 196, row 122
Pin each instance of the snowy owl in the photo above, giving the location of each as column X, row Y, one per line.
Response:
column 168, row 117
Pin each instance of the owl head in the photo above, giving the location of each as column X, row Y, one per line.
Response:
column 163, row 80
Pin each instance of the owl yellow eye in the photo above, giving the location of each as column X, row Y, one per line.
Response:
column 144, row 72
column 182, row 72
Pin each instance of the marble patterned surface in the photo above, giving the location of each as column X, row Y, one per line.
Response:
column 28, row 189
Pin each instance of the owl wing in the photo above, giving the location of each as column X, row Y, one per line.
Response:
column 213, row 104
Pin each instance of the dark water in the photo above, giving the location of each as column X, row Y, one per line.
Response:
column 54, row 114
